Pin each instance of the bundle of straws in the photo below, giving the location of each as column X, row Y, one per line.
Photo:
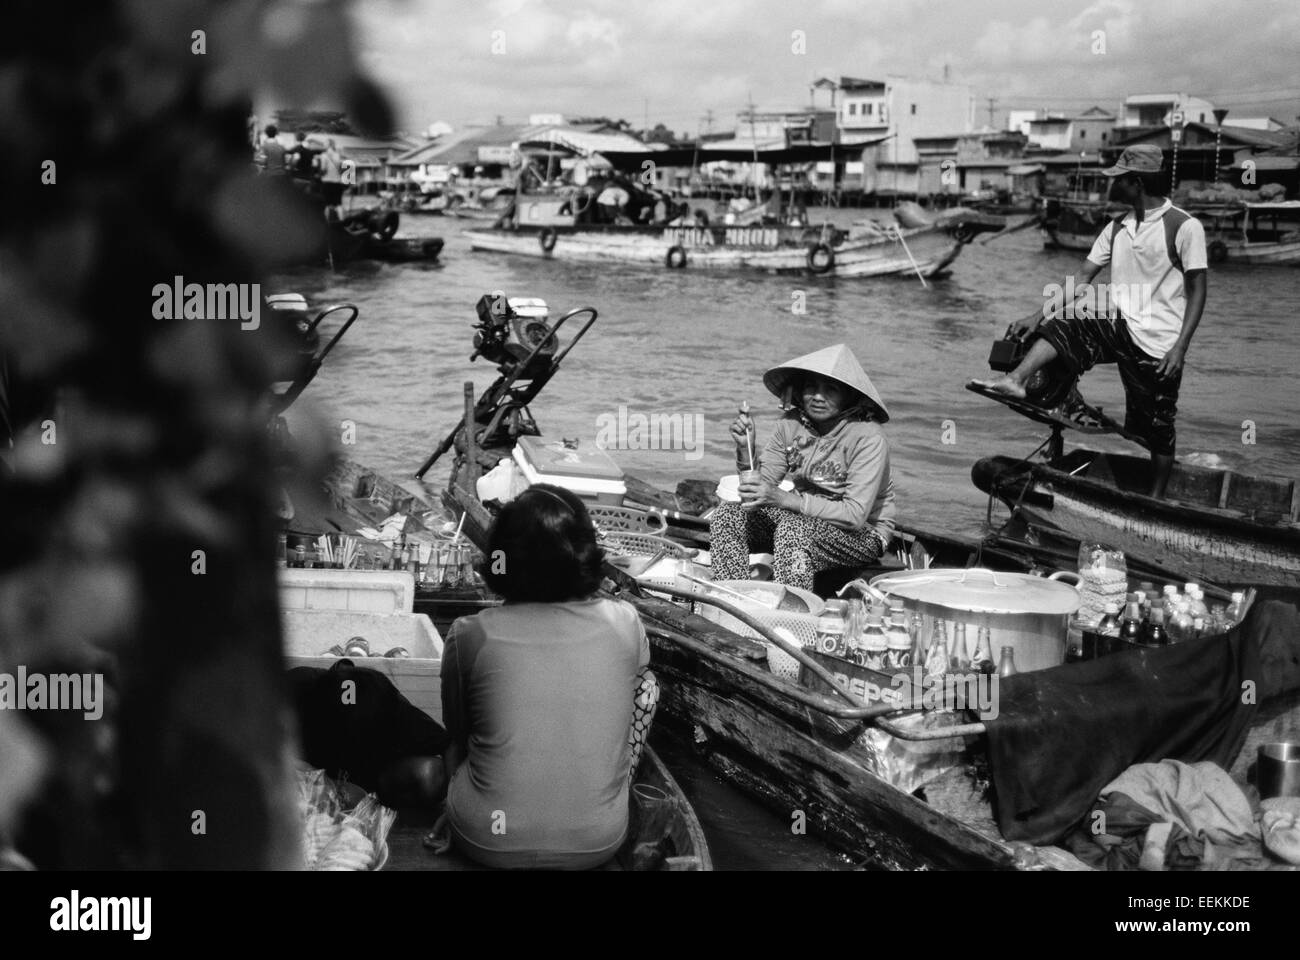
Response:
column 337, row 550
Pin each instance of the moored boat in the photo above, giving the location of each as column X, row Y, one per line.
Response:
column 1252, row 233
column 1218, row 525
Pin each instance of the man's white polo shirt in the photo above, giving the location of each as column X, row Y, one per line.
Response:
column 1145, row 285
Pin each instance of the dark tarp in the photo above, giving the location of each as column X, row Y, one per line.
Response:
column 1063, row 734
column 690, row 156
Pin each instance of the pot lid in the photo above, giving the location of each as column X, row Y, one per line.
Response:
column 981, row 591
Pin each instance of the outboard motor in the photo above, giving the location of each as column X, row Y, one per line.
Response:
column 1049, row 387
column 509, row 330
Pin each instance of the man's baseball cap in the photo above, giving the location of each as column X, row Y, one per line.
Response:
column 1143, row 158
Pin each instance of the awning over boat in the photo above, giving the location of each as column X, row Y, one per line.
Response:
column 691, row 156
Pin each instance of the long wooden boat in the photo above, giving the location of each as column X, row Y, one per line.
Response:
column 896, row 251
column 1218, row 525
column 1258, row 234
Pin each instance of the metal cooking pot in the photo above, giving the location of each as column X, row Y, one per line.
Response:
column 1031, row 615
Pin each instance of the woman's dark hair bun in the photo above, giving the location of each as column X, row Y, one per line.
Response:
column 542, row 548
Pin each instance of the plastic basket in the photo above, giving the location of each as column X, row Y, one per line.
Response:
column 799, row 629
column 615, row 519
column 642, row 545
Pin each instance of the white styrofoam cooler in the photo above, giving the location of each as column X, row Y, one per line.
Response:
column 588, row 471
column 322, row 608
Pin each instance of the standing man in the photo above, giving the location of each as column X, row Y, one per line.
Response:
column 330, row 164
column 272, row 153
column 1157, row 264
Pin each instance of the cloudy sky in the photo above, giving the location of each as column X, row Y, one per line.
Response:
column 676, row 59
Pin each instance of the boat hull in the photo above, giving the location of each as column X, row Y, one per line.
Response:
column 931, row 250
column 1208, row 544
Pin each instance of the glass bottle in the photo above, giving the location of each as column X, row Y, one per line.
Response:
column 899, row 640
column 916, row 630
column 936, row 655
column 1007, row 665
column 982, row 661
column 300, row 556
column 281, row 549
column 958, row 654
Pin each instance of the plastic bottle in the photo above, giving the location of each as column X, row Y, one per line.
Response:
column 982, row 661
column 1237, row 609
column 1219, row 622
column 1178, row 624
column 899, row 640
column 1007, row 665
column 1155, row 632
column 1109, row 625
column 936, row 655
column 1198, row 627
column 1196, row 605
column 874, row 647
column 1148, row 591
column 830, row 629
column 1130, row 628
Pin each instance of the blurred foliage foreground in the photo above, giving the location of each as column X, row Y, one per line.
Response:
column 136, row 512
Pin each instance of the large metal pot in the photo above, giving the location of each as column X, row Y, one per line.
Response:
column 1031, row 615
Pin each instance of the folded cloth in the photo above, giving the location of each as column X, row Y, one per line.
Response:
column 1280, row 825
column 1063, row 734
column 1201, row 799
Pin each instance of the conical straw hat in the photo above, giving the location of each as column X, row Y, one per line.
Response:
column 836, row 363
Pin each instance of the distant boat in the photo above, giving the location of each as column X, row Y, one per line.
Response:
column 618, row 221
column 1249, row 232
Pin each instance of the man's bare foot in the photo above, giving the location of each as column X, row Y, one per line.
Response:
column 1005, row 385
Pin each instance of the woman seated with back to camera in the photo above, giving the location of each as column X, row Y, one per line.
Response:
column 537, row 696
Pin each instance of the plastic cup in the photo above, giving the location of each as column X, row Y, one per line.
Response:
column 652, row 811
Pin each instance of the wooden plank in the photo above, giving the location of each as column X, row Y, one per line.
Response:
column 1201, row 487
column 1265, row 499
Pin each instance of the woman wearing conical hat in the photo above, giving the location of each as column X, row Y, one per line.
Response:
column 830, row 445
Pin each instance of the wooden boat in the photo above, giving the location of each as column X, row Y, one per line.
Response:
column 568, row 224
column 1216, row 525
column 1259, row 234
column 894, row 251
column 1074, row 224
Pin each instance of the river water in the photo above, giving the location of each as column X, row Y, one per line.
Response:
column 691, row 345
